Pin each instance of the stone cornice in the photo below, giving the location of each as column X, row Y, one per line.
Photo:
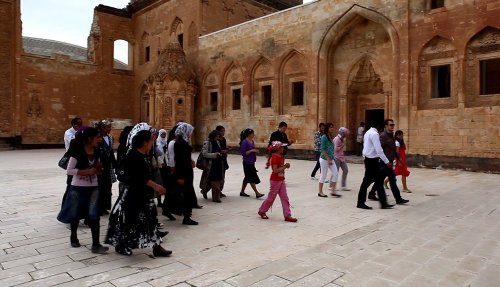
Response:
column 125, row 12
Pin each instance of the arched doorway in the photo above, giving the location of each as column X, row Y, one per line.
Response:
column 359, row 56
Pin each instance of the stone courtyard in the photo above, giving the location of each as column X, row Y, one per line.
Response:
column 447, row 236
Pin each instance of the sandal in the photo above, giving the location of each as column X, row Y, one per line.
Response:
column 262, row 215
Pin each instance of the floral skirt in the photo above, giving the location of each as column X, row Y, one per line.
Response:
column 141, row 231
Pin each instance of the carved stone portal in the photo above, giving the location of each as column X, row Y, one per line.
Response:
column 172, row 82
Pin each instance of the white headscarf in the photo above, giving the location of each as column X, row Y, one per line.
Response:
column 184, row 130
column 137, row 128
column 161, row 142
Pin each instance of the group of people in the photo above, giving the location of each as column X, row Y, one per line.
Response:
column 153, row 164
column 384, row 155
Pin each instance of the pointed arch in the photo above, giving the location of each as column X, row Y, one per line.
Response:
column 263, row 86
column 177, row 30
column 329, row 41
column 232, row 95
column 482, row 69
column 211, row 98
column 293, row 83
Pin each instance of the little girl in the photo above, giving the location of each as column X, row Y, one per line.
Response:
column 277, row 182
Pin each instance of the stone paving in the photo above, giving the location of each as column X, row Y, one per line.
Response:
column 447, row 236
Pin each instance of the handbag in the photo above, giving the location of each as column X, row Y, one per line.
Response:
column 63, row 162
column 201, row 162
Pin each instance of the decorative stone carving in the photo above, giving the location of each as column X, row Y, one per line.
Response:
column 438, row 48
column 366, row 81
column 34, row 109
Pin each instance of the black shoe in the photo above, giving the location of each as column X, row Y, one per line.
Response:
column 218, row 201
column 159, row 251
column 123, row 250
column 402, row 201
column 162, row 233
column 198, row 206
column 99, row 249
column 244, row 194
column 259, row 195
column 387, row 206
column 204, row 195
column 169, row 216
column 222, row 195
column 364, row 206
column 372, row 197
column 75, row 243
column 322, row 195
column 189, row 221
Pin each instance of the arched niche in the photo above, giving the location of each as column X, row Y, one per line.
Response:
column 233, row 91
column 264, row 90
column 293, row 76
column 438, row 74
column 482, row 73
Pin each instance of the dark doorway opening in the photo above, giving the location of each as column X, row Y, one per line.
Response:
column 374, row 118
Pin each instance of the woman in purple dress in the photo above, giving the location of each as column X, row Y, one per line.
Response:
column 249, row 153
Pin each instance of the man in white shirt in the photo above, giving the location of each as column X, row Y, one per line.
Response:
column 373, row 153
column 69, row 135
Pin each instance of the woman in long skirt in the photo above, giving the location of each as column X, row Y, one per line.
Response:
column 133, row 220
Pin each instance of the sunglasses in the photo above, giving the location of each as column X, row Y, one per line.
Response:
column 392, row 125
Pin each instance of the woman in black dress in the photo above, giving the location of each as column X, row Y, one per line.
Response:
column 133, row 220
column 183, row 172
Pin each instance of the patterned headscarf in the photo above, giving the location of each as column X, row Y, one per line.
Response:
column 184, row 130
column 343, row 132
column 137, row 128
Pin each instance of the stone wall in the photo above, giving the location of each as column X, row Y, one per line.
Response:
column 465, row 124
column 8, row 19
column 56, row 89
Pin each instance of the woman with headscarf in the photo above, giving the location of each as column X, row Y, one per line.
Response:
column 183, row 171
column 170, row 205
column 108, row 160
column 213, row 175
column 133, row 222
column 340, row 160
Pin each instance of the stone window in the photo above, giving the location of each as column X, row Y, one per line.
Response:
column 437, row 4
column 214, row 99
column 121, row 55
column 236, row 99
column 437, row 74
column 263, row 81
column 298, row 93
column 482, row 69
column 489, row 76
column 266, row 96
column 147, row 54
column 441, row 81
column 294, row 86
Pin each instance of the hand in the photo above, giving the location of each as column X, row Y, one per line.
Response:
column 180, row 181
column 389, row 164
column 330, row 162
column 255, row 150
column 219, row 154
column 160, row 189
column 287, row 165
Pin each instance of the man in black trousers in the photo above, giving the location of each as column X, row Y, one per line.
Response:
column 388, row 144
column 373, row 153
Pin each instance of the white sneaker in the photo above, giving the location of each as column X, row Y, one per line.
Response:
column 313, row 178
column 345, row 189
column 327, row 181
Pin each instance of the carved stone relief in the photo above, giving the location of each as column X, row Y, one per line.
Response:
column 34, row 108
column 366, row 81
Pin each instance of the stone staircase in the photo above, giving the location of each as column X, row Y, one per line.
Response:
column 4, row 145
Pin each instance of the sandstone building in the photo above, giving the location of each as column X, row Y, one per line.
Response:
column 431, row 65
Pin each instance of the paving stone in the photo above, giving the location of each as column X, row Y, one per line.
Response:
column 57, row 270
column 107, row 266
column 272, row 281
column 53, row 262
column 319, row 278
column 487, row 277
column 15, row 280
column 149, row 275
column 49, row 281
column 380, row 282
column 418, row 281
column 16, row 271
column 399, row 271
